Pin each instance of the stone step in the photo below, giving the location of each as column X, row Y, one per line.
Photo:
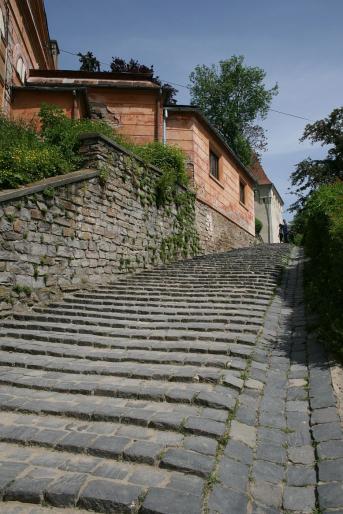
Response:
column 196, row 307
column 206, row 394
column 68, row 482
column 237, row 325
column 161, row 288
column 116, row 355
column 170, row 373
column 104, row 440
column 214, row 297
column 234, row 345
column 13, row 507
column 235, row 310
column 236, row 317
column 219, row 281
column 129, row 333
column 211, row 303
column 160, row 415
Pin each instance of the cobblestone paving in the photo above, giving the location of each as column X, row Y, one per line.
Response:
column 191, row 389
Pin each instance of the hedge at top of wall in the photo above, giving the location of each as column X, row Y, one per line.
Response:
column 84, row 227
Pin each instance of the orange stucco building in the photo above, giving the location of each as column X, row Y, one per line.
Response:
column 220, row 179
column 135, row 106
column 133, row 103
column 24, row 44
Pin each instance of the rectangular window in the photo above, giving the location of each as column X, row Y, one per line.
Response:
column 241, row 192
column 214, row 165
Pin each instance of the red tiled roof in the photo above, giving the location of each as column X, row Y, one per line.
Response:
column 258, row 172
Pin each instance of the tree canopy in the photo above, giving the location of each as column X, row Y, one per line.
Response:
column 88, row 62
column 310, row 174
column 233, row 96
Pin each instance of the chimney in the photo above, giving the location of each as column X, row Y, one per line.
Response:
column 55, row 51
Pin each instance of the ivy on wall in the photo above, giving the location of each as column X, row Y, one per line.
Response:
column 166, row 192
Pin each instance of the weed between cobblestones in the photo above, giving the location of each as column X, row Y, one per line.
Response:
column 287, row 430
column 213, row 478
column 139, row 503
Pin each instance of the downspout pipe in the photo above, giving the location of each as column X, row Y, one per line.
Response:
column 75, row 107
column 165, row 117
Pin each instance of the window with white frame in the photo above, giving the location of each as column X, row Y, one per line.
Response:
column 21, row 69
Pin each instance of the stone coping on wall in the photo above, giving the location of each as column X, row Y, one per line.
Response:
column 95, row 137
column 57, row 181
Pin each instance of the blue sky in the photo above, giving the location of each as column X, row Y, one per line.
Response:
column 297, row 42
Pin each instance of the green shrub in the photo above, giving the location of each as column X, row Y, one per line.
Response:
column 170, row 160
column 26, row 156
column 258, row 226
column 62, row 132
column 323, row 241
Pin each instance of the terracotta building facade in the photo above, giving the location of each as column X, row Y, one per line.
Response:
column 24, row 45
column 134, row 104
column 219, row 178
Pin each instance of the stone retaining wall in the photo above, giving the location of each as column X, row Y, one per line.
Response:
column 84, row 227
column 217, row 233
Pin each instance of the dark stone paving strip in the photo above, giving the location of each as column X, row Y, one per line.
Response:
column 236, row 467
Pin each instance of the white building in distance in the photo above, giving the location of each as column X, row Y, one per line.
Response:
column 268, row 204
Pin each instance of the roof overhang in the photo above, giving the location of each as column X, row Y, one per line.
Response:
column 92, row 76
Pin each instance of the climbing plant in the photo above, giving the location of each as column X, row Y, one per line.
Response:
column 167, row 192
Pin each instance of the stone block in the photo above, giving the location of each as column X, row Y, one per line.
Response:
column 223, row 501
column 243, row 433
column 188, row 461
column 300, row 499
column 108, row 496
column 169, row 501
column 64, row 491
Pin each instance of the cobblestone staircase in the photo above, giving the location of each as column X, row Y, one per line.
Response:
column 142, row 395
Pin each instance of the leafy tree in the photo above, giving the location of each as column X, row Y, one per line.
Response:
column 88, row 62
column 232, row 95
column 311, row 174
column 131, row 66
column 169, row 91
